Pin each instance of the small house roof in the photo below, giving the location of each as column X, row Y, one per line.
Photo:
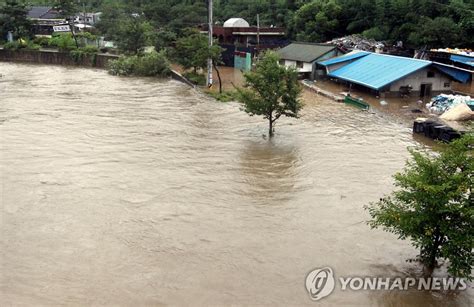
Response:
column 42, row 12
column 304, row 52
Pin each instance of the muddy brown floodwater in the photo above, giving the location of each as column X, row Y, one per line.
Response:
column 122, row 191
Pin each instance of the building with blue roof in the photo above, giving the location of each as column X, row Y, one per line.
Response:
column 387, row 74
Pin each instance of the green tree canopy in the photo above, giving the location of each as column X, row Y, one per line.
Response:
column 66, row 8
column 271, row 90
column 133, row 34
column 192, row 50
column 13, row 18
column 434, row 207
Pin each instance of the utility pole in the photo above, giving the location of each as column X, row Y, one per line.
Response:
column 258, row 31
column 209, row 32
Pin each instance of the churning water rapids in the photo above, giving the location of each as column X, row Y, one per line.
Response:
column 133, row 191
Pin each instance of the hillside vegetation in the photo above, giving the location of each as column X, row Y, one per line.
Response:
column 418, row 23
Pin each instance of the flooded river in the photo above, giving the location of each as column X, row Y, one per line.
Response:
column 122, row 191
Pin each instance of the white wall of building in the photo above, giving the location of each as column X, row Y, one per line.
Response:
column 438, row 81
column 307, row 67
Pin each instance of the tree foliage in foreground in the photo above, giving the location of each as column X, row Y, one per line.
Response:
column 271, row 90
column 434, row 207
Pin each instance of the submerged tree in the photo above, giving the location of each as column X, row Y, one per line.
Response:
column 434, row 207
column 271, row 90
column 192, row 50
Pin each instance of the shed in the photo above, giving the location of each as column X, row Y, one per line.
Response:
column 303, row 56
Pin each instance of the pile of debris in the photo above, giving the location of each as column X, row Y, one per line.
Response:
column 452, row 107
column 358, row 42
column 458, row 51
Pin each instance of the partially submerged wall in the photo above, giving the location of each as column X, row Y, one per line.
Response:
column 439, row 81
column 55, row 58
column 464, row 88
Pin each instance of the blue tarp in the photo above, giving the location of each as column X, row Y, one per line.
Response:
column 344, row 58
column 376, row 70
column 455, row 73
column 468, row 60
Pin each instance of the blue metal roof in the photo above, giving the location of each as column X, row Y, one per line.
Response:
column 344, row 58
column 378, row 70
column 468, row 60
column 455, row 72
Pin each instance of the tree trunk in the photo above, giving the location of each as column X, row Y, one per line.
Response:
column 270, row 129
column 430, row 266
column 218, row 76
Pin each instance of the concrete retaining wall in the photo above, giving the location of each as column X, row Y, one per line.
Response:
column 55, row 58
column 64, row 58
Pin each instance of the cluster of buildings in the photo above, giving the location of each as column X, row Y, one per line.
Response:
column 383, row 74
column 44, row 18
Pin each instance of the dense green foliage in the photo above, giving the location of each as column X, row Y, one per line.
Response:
column 418, row 23
column 21, row 44
column 13, row 18
column 434, row 207
column 271, row 90
column 64, row 42
column 192, row 51
column 66, row 8
column 154, row 64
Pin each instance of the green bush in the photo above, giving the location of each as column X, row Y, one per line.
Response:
column 64, row 42
column 89, row 49
column 196, row 78
column 225, row 96
column 12, row 45
column 42, row 41
column 123, row 66
column 21, row 44
column 32, row 46
column 79, row 54
column 153, row 64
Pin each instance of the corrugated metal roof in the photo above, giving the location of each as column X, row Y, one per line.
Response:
column 456, row 73
column 304, row 52
column 463, row 59
column 344, row 58
column 378, row 70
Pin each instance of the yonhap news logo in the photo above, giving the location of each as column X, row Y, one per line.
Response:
column 321, row 282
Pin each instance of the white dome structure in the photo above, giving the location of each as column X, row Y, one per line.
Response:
column 236, row 23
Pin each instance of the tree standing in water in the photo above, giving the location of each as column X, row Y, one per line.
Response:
column 434, row 207
column 271, row 90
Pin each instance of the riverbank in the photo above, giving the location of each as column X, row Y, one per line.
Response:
column 55, row 57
